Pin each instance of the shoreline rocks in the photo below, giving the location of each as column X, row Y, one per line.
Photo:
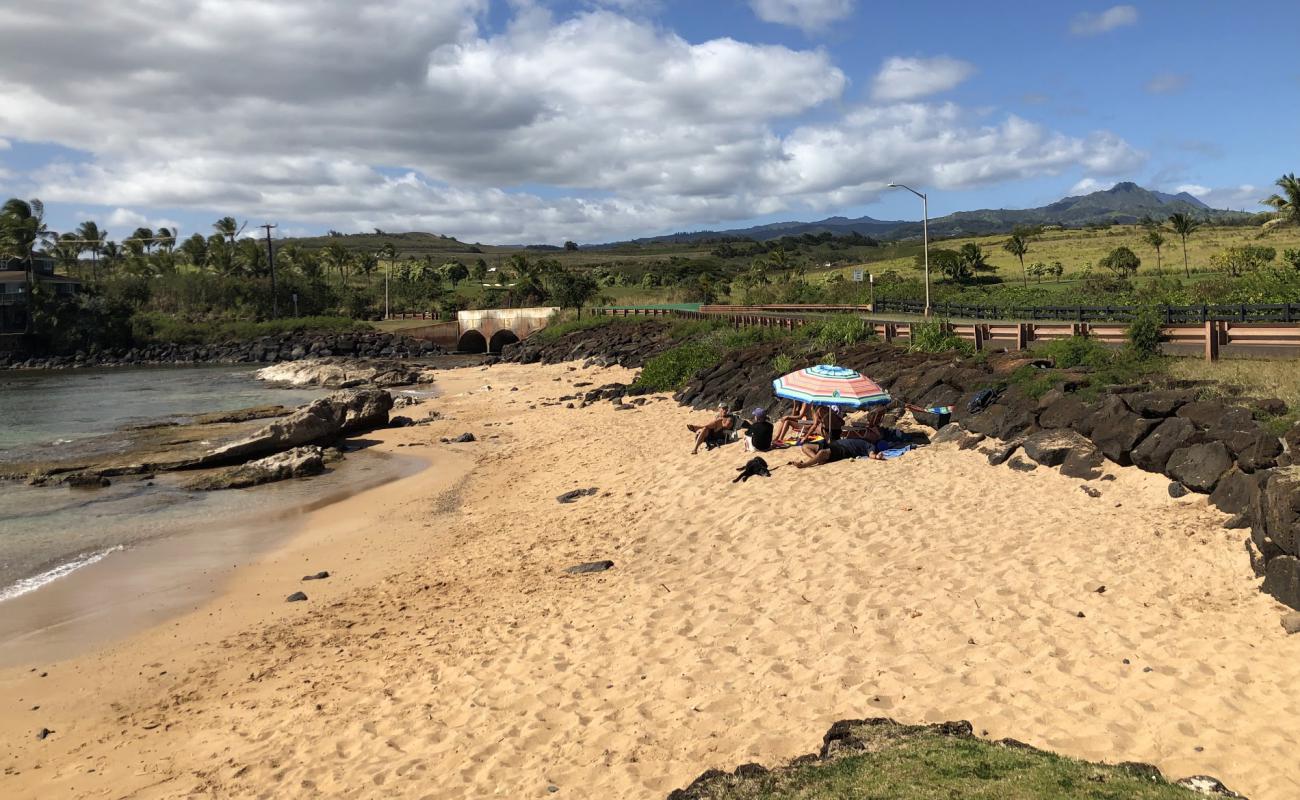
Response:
column 263, row 350
column 338, row 372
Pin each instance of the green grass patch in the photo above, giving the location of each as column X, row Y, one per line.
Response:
column 915, row 764
column 154, row 327
column 669, row 371
column 934, row 337
column 837, row 330
column 556, row 329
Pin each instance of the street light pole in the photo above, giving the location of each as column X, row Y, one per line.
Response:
column 925, row 237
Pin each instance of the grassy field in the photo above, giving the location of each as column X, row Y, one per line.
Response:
column 1075, row 248
column 912, row 763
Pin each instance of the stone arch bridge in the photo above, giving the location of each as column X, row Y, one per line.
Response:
column 486, row 330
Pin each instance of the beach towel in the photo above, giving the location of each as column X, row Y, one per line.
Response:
column 889, row 453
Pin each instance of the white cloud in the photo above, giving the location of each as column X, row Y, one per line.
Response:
column 808, row 15
column 289, row 112
column 1087, row 24
column 909, row 78
column 1087, row 186
column 1166, row 83
column 4, row 144
column 1243, row 197
column 122, row 221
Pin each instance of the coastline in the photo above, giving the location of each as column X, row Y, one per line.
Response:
column 105, row 596
column 449, row 655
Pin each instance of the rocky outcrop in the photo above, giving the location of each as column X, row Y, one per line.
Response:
column 881, row 737
column 1200, row 466
column 263, row 350
column 319, row 422
column 1051, row 448
column 296, row 463
column 339, row 372
column 621, row 343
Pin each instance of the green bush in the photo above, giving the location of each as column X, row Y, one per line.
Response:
column 934, row 337
column 557, row 328
column 1144, row 333
column 669, row 371
column 157, row 327
column 839, row 330
column 783, row 364
column 1077, row 351
column 686, row 329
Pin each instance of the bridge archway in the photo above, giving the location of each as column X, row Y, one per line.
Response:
column 500, row 339
column 472, row 342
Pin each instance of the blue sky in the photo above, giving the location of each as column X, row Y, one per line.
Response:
column 604, row 119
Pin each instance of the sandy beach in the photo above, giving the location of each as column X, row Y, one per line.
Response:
column 449, row 656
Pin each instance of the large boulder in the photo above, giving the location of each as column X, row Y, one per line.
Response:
column 342, row 372
column 296, row 463
column 1157, row 404
column 1052, row 447
column 1116, row 430
column 1254, row 448
column 365, row 409
column 1169, row 435
column 1206, row 414
column 1200, row 466
column 1282, row 579
column 1065, row 411
column 1013, row 413
column 319, row 422
column 1237, row 491
column 1279, row 508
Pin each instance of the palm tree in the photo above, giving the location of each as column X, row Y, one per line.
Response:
column 1018, row 247
column 92, row 239
column 338, row 257
column 1184, row 226
column 165, row 238
column 1157, row 241
column 1286, row 204
column 140, row 240
column 22, row 230
column 67, row 251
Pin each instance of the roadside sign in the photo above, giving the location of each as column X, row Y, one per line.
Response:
column 858, row 275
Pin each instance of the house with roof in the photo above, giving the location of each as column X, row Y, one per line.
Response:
column 13, row 289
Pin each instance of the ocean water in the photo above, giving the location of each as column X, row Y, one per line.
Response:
column 49, row 533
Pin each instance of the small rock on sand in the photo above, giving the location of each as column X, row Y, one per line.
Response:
column 1176, row 489
column 319, row 576
column 464, row 437
column 591, row 566
column 296, row 597
column 569, row 497
column 1091, row 492
column 1291, row 622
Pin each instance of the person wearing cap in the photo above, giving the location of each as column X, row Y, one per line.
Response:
column 759, row 438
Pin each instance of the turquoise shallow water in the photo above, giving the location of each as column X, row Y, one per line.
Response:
column 48, row 532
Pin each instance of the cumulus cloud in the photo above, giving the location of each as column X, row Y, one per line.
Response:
column 1166, row 83
column 808, row 15
column 127, row 220
column 1087, row 24
column 1087, row 186
column 288, row 111
column 1243, row 197
column 909, row 78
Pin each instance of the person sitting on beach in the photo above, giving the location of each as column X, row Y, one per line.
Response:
column 838, row 450
column 759, row 438
column 713, row 429
column 801, row 418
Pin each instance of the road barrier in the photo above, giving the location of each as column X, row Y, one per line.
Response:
column 1209, row 336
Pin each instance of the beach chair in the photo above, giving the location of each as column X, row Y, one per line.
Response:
column 868, row 428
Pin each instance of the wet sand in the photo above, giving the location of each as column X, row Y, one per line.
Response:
column 451, row 657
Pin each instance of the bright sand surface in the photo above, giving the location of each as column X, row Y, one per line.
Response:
column 450, row 657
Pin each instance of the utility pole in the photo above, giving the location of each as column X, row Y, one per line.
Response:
column 270, row 260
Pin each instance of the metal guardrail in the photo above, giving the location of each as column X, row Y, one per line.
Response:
column 1171, row 315
column 1211, row 336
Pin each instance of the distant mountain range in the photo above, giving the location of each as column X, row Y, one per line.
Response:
column 1123, row 203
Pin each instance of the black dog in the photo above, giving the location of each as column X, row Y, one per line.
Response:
column 755, row 466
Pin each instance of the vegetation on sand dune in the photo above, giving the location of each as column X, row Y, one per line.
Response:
column 907, row 763
column 669, row 371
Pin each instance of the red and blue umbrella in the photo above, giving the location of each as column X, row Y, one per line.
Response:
column 827, row 385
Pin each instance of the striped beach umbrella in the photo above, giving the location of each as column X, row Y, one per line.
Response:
column 826, row 385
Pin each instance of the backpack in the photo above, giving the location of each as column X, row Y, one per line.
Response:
column 982, row 400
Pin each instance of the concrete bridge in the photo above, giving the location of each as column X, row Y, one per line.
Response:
column 485, row 330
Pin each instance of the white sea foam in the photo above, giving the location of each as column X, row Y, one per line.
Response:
column 35, row 582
